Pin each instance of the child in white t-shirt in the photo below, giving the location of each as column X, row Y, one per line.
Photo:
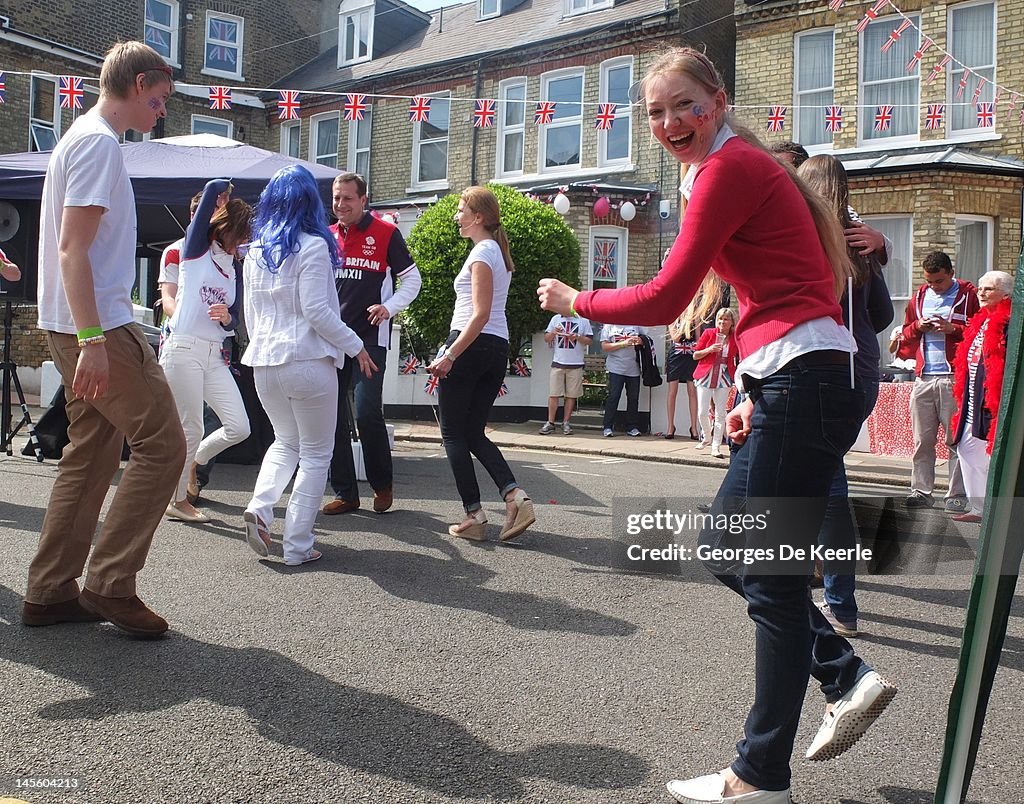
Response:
column 569, row 337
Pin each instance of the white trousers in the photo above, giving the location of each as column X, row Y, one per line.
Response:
column 974, row 462
column 720, row 396
column 196, row 373
column 301, row 401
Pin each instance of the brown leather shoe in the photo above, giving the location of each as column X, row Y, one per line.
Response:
column 383, row 500
column 67, row 611
column 341, row 506
column 127, row 613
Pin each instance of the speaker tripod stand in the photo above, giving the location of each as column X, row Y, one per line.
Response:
column 10, row 376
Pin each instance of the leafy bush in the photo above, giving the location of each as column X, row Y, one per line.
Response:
column 542, row 245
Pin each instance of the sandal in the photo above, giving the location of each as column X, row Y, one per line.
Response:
column 670, row 436
column 476, row 530
column 312, row 555
column 256, row 535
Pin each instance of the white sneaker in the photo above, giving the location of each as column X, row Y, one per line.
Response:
column 607, row 432
column 547, row 429
column 633, row 431
column 850, row 717
column 566, row 429
column 710, row 789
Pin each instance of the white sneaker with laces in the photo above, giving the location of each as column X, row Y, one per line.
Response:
column 566, row 429
column 607, row 432
column 633, row 431
column 845, row 723
column 547, row 429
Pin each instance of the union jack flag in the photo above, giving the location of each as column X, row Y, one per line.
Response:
column 977, row 90
column 986, row 114
column 963, row 84
column 871, row 15
column 894, row 37
column 776, row 118
column 224, row 30
column 938, row 68
column 220, row 98
column 835, row 5
column 483, row 114
column 502, row 391
column 566, row 339
column 883, row 117
column 288, row 104
column 419, row 110
column 605, row 116
column 355, row 107
column 833, row 119
column 430, row 387
column 919, row 54
column 1013, row 104
column 409, row 365
column 544, row 113
column 934, row 116
column 221, row 53
column 606, row 257
column 3, row 89
column 71, row 92
column 520, row 369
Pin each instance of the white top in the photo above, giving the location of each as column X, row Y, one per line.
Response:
column 207, row 280
column 293, row 314
column 169, row 263
column 489, row 253
column 86, row 169
column 568, row 351
column 622, row 361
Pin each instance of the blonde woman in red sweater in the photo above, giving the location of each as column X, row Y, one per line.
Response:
column 716, row 371
column 783, row 252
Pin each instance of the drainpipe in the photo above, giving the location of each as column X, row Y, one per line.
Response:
column 475, row 130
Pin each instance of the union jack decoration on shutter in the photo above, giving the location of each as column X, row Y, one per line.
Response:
column 933, row 118
column 409, row 365
column 835, row 5
column 871, row 15
column 520, row 369
column 288, row 104
column 833, row 119
column 883, row 117
column 419, row 110
column 483, row 114
column 430, row 386
column 3, row 89
column 938, row 68
column 919, row 54
column 963, row 84
column 986, row 114
column 355, row 107
column 894, row 37
column 776, row 118
column 71, row 92
column 544, row 113
column 220, row 98
column 977, row 90
column 605, row 116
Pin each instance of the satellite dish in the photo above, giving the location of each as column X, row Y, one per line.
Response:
column 10, row 221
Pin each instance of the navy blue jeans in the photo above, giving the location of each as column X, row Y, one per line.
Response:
column 616, row 382
column 373, row 432
column 805, row 418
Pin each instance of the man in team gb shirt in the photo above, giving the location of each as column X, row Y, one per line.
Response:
column 377, row 280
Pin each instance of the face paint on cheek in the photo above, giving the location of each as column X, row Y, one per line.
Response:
column 698, row 112
column 154, row 104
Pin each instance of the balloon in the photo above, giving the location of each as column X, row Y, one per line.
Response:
column 627, row 211
column 601, row 207
column 561, row 203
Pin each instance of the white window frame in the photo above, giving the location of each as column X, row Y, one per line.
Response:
column 344, row 14
column 353, row 143
column 220, row 122
column 504, row 130
column 622, row 269
column 902, row 251
column 866, row 113
column 286, row 133
column 53, row 124
column 92, row 93
column 990, row 228
column 486, row 15
column 314, row 125
column 576, row 120
column 239, row 45
column 174, row 59
column 798, row 93
column 418, row 142
column 951, row 83
column 622, row 112
column 585, row 6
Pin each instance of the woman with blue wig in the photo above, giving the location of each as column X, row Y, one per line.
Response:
column 296, row 340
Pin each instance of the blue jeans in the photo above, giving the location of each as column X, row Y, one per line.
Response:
column 465, row 398
column 805, row 418
column 373, row 432
column 616, row 382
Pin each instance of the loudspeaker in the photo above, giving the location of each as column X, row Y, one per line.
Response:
column 19, row 239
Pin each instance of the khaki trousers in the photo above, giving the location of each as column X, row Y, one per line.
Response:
column 137, row 406
column 932, row 404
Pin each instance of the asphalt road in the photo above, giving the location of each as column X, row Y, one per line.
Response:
column 407, row 666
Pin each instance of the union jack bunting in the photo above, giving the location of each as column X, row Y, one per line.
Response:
column 3, row 89
column 288, row 104
column 605, row 116
column 977, row 90
column 355, row 107
column 566, row 339
column 430, row 387
column 1020, row 119
column 483, row 114
column 835, row 5
column 502, row 391
column 776, row 118
column 963, row 84
column 986, row 114
column 419, row 110
column 999, row 95
column 409, row 365
column 220, row 98
column 871, row 15
column 1013, row 104
column 894, row 37
column 606, row 257
column 71, row 92
column 933, row 118
column 544, row 113
column 833, row 119
column 883, row 117
column 938, row 68
column 919, row 54
column 520, row 369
